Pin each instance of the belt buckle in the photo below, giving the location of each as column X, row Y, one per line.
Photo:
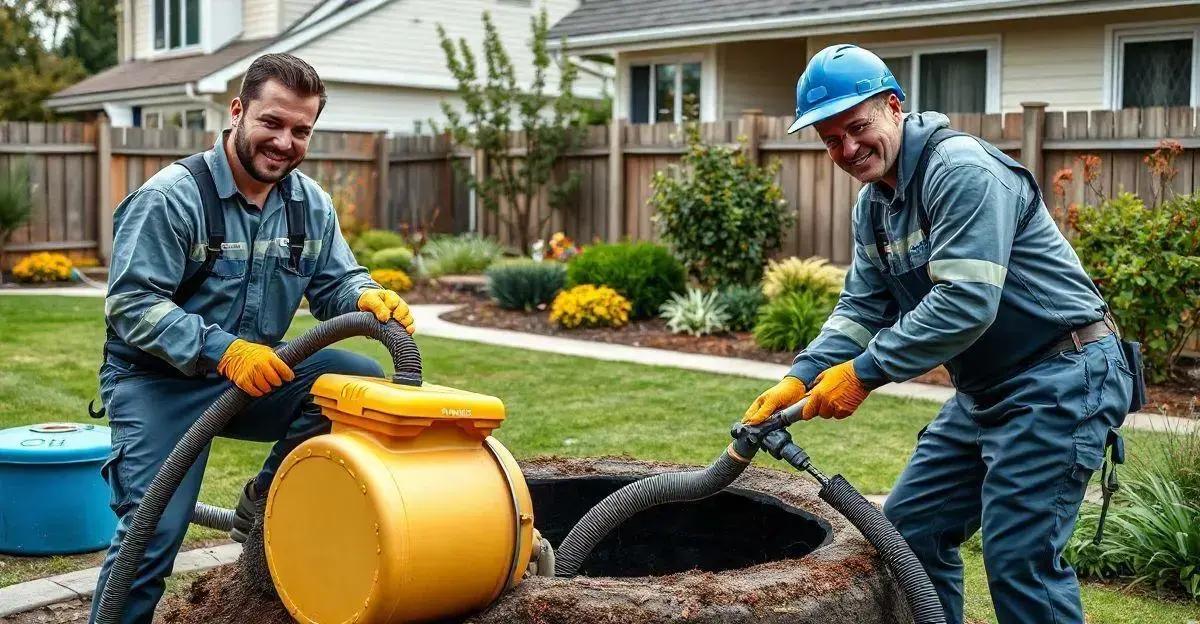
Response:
column 1075, row 340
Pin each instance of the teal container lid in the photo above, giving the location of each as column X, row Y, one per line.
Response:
column 54, row 443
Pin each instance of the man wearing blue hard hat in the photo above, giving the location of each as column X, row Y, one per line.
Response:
column 958, row 262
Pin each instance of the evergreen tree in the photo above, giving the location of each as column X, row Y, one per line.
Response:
column 92, row 34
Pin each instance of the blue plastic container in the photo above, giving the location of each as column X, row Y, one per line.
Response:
column 53, row 500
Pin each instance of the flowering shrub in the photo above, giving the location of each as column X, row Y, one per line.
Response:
column 392, row 279
column 1146, row 263
column 43, row 267
column 588, row 305
column 561, row 248
column 795, row 275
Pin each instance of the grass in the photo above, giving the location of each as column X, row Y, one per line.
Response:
column 49, row 352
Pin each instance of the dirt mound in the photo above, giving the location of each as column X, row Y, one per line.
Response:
column 842, row 581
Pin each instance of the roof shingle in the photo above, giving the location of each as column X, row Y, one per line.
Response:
column 153, row 73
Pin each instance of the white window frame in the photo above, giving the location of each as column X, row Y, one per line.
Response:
column 705, row 56
column 914, row 49
column 203, row 117
column 678, row 104
column 1117, row 35
column 166, row 48
column 158, row 117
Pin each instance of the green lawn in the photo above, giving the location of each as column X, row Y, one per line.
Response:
column 49, row 352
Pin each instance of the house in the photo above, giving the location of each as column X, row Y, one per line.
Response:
column 682, row 60
column 182, row 60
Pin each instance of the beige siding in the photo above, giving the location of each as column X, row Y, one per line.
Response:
column 400, row 38
column 365, row 107
column 260, row 18
column 1058, row 60
column 143, row 33
column 760, row 75
column 295, row 9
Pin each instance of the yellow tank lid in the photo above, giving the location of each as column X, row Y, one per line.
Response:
column 404, row 411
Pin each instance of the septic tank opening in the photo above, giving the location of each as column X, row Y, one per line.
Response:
column 733, row 529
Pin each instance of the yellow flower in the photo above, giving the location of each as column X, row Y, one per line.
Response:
column 43, row 267
column 587, row 305
column 392, row 279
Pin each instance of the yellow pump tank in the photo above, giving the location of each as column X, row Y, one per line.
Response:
column 407, row 511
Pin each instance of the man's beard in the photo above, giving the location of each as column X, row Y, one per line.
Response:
column 245, row 154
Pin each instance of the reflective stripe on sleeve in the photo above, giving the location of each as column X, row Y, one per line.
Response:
column 962, row 270
column 856, row 332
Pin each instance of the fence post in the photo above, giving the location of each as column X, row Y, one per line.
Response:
column 383, row 181
column 104, row 212
column 1033, row 135
column 616, row 174
column 479, row 171
column 750, row 126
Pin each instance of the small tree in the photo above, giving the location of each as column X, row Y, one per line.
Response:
column 15, row 207
column 722, row 214
column 496, row 105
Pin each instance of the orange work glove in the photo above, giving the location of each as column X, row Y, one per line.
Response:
column 783, row 394
column 386, row 305
column 253, row 367
column 836, row 394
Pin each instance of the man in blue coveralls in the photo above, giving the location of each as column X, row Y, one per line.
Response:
column 211, row 257
column 958, row 262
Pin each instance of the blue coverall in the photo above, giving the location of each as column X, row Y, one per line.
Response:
column 992, row 286
column 252, row 293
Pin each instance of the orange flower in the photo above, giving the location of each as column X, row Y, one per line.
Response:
column 1061, row 176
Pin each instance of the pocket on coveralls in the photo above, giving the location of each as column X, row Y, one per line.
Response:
column 118, row 496
column 1092, row 432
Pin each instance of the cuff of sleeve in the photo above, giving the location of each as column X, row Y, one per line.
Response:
column 869, row 371
column 805, row 372
column 216, row 342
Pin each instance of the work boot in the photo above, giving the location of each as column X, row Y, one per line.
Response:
column 243, row 516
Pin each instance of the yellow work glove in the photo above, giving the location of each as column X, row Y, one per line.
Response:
column 253, row 367
column 386, row 305
column 836, row 393
column 783, row 394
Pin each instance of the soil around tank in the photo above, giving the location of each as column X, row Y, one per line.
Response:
column 841, row 581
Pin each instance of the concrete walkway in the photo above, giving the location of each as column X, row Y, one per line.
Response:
column 42, row 592
column 429, row 323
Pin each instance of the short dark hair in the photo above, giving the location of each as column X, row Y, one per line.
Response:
column 290, row 71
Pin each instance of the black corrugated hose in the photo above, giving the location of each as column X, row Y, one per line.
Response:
column 922, row 599
column 406, row 360
column 772, row 436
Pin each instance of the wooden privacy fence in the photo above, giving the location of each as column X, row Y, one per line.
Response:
column 80, row 172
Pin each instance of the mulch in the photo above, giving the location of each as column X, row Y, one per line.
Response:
column 1174, row 399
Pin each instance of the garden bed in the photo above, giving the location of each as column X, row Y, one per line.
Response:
column 1171, row 399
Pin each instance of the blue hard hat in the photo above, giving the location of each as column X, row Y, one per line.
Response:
column 838, row 78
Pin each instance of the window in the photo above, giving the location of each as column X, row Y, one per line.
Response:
column 176, row 24
column 667, row 92
column 152, row 120
column 958, row 78
column 194, row 119
column 1155, row 66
